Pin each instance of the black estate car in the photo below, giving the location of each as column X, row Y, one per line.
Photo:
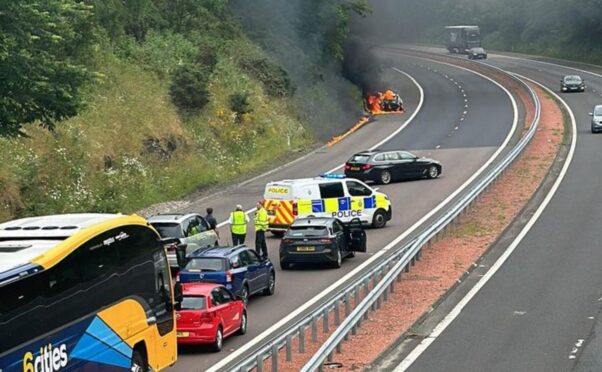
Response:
column 321, row 240
column 572, row 83
column 386, row 166
column 477, row 53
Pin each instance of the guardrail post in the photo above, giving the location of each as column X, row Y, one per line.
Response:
column 337, row 316
column 259, row 361
column 325, row 320
column 392, row 287
column 347, row 299
column 338, row 348
column 329, row 357
column 314, row 329
column 413, row 260
column 301, row 339
column 289, row 348
column 378, row 302
column 407, row 268
column 386, row 294
column 274, row 358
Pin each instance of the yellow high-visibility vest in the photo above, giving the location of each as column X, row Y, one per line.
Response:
column 261, row 220
column 239, row 222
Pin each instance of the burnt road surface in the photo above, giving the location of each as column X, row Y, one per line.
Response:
column 463, row 121
column 541, row 310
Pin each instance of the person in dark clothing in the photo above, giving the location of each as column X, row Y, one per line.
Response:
column 212, row 221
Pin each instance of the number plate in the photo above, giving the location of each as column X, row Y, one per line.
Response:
column 183, row 334
column 355, row 168
column 306, row 249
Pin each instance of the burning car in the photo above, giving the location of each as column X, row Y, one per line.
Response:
column 384, row 102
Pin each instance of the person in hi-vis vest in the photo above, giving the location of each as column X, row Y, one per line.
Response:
column 238, row 225
column 261, row 226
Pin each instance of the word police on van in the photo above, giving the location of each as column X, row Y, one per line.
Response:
column 330, row 195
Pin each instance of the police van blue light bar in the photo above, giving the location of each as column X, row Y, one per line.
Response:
column 332, row 175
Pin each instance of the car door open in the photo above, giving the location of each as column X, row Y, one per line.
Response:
column 356, row 235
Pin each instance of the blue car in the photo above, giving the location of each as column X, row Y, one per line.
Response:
column 238, row 268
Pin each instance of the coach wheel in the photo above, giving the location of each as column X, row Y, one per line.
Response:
column 138, row 362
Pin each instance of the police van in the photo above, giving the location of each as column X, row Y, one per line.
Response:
column 331, row 195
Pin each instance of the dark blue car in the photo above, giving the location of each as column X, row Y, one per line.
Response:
column 238, row 268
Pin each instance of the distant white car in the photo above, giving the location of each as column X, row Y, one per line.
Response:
column 192, row 230
column 596, row 119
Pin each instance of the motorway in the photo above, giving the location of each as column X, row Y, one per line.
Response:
column 463, row 120
column 541, row 310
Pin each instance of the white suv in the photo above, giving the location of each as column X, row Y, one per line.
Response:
column 191, row 229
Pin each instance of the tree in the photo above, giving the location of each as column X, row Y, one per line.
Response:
column 189, row 90
column 39, row 72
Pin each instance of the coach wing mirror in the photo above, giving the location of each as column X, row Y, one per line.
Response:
column 591, row 114
column 181, row 255
column 178, row 295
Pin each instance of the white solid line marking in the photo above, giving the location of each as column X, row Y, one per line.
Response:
column 257, row 339
column 415, row 354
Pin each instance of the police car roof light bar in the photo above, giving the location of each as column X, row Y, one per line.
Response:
column 332, row 175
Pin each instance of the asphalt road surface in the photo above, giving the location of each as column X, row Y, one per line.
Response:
column 541, row 310
column 463, row 121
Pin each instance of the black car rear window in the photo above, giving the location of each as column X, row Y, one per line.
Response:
column 362, row 159
column 300, row 231
column 193, row 303
column 206, row 264
column 168, row 230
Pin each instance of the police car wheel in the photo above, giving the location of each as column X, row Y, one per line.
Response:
column 385, row 177
column 271, row 288
column 380, row 219
column 351, row 254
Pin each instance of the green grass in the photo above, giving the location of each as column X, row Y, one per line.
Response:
column 102, row 160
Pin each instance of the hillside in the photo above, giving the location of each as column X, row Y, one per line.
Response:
column 170, row 96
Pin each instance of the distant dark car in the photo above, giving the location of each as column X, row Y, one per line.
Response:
column 572, row 83
column 321, row 240
column 386, row 166
column 238, row 268
column 477, row 53
column 208, row 313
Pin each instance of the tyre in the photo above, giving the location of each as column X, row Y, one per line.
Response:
column 244, row 293
column 243, row 324
column 271, row 288
column 433, row 172
column 285, row 265
column 339, row 260
column 385, row 177
column 380, row 219
column 351, row 254
column 138, row 362
column 219, row 340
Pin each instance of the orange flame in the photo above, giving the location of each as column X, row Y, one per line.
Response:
column 383, row 103
column 336, row 139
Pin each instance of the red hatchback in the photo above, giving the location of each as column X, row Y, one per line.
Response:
column 208, row 313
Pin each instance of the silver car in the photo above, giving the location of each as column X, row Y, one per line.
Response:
column 191, row 229
column 596, row 119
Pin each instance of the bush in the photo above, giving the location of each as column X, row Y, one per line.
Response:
column 274, row 78
column 239, row 104
column 189, row 89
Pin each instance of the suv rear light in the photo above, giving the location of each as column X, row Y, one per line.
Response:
column 295, row 209
column 178, row 277
column 347, row 166
column 367, row 166
column 228, row 276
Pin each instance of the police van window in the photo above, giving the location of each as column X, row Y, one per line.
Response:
column 357, row 189
column 380, row 157
column 331, row 190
